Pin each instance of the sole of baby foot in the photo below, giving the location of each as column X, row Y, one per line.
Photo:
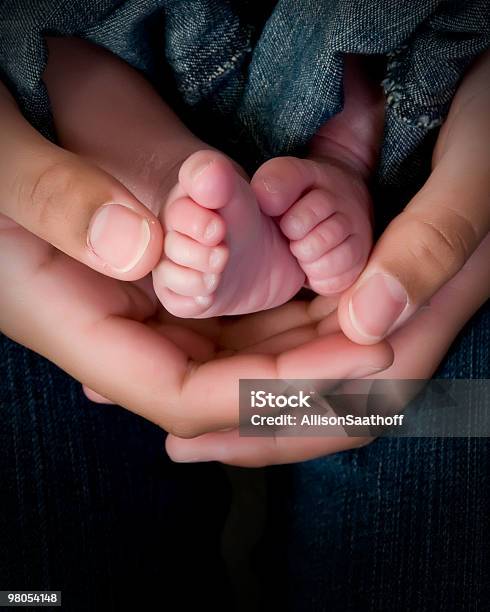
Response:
column 323, row 208
column 222, row 255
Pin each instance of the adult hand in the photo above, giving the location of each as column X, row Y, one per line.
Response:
column 426, row 258
column 111, row 336
column 430, row 241
column 433, row 328
column 71, row 204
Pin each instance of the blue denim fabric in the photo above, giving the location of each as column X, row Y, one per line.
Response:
column 265, row 79
column 399, row 525
column 89, row 503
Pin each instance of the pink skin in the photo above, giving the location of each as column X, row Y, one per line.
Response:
column 324, row 212
column 219, row 247
column 322, row 203
column 117, row 315
column 322, row 206
column 222, row 254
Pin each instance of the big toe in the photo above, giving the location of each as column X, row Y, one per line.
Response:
column 279, row 182
column 209, row 178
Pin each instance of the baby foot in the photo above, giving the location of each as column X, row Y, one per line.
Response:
column 223, row 255
column 322, row 203
column 324, row 209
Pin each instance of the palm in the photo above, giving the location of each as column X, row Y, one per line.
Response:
column 115, row 338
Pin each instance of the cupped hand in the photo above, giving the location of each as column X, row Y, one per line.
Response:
column 431, row 240
column 111, row 336
column 71, row 237
column 426, row 276
column 419, row 347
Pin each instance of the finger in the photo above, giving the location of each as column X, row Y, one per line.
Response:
column 258, row 327
column 95, row 328
column 193, row 344
column 431, row 240
column 282, row 342
column 331, row 357
column 95, row 397
column 71, row 204
column 208, row 328
column 295, row 336
column 228, row 447
column 433, row 327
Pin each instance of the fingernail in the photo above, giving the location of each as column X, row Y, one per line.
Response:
column 210, row 281
column 198, row 170
column 376, row 305
column 203, row 300
column 211, row 230
column 271, row 184
column 295, row 224
column 119, row 236
column 216, row 259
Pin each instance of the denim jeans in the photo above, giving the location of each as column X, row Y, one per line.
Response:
column 89, row 502
column 91, row 505
column 401, row 524
column 259, row 79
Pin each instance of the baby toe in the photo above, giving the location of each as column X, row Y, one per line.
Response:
column 182, row 306
column 279, row 182
column 335, row 284
column 338, row 261
column 185, row 281
column 321, row 239
column 188, row 218
column 307, row 213
column 209, row 178
column 187, row 252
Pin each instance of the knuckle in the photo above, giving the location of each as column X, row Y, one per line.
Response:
column 44, row 198
column 183, row 428
column 316, row 205
column 441, row 245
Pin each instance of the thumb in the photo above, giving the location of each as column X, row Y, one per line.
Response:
column 73, row 205
column 430, row 241
column 414, row 258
